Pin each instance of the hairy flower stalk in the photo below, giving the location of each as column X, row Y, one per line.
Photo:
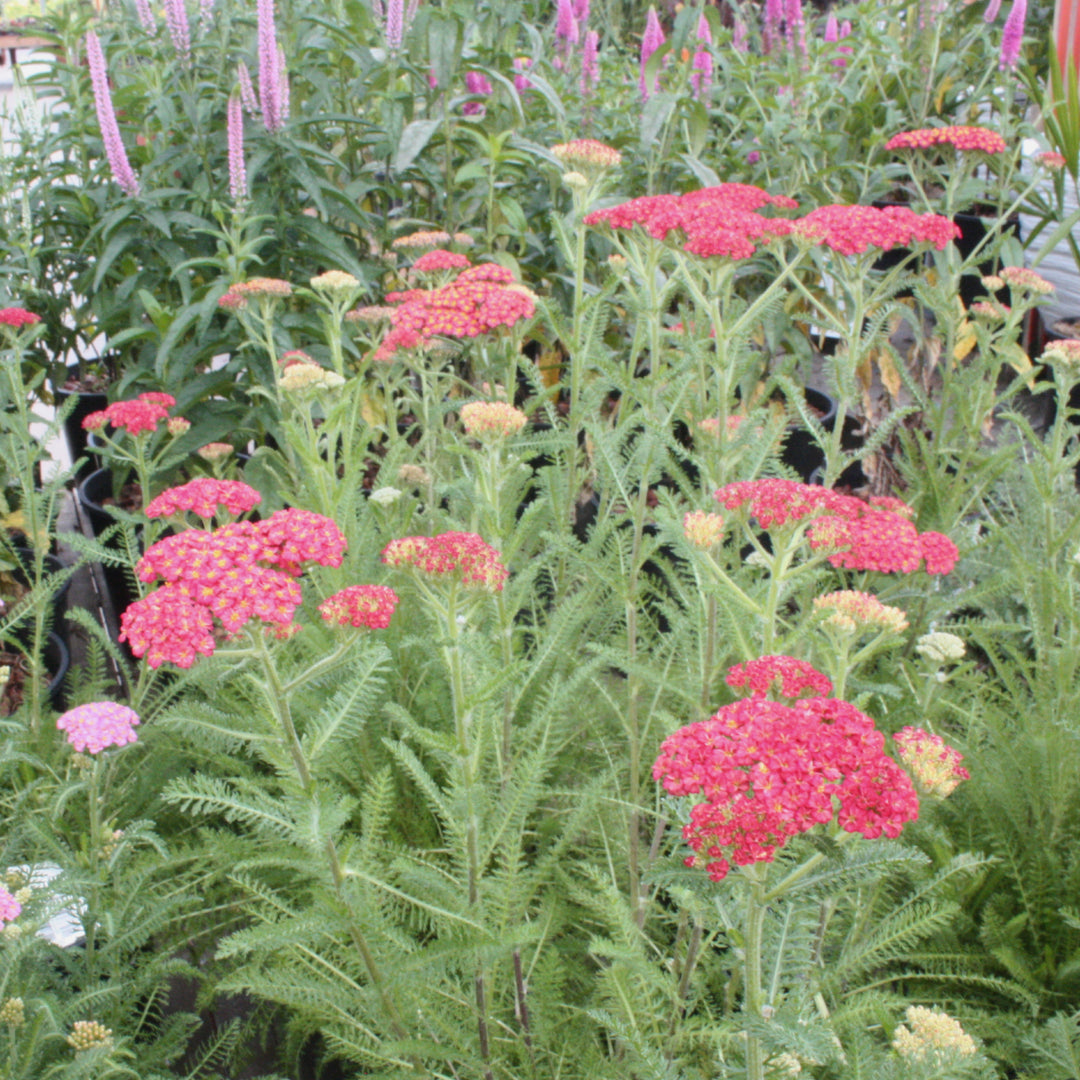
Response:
column 121, row 168
column 270, row 90
column 1012, row 37
column 991, row 12
column 238, row 189
column 176, row 19
column 770, row 30
column 795, row 26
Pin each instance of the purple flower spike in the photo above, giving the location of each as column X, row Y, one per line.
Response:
column 738, row 37
column 147, row 20
column 651, row 40
column 238, row 189
column 177, row 21
column 795, row 25
column 395, row 23
column 590, row 67
column 701, row 78
column 247, row 91
column 1012, row 37
column 581, row 10
column 269, row 68
column 832, row 28
column 991, row 12
column 121, row 168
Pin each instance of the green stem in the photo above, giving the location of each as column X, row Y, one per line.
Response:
column 754, row 999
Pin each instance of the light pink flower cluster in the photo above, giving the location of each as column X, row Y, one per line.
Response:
column 203, row 496
column 960, row 137
column 769, row 771
column 783, row 676
column 363, row 606
column 115, row 153
column 851, row 230
column 478, row 301
column 143, row 413
column 91, row 728
column 718, row 221
column 1023, row 277
column 934, row 765
column 464, row 556
column 865, row 536
column 10, row 908
column 241, row 571
column 491, row 419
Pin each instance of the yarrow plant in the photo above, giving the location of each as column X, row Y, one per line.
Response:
column 934, row 766
column 454, row 556
column 368, row 607
column 95, row 727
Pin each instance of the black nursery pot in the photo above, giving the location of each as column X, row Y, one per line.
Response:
column 973, row 230
column 86, row 402
column 91, row 495
column 801, row 453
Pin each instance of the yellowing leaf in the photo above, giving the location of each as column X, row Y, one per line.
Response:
column 550, row 363
column 965, row 342
column 890, row 377
column 372, row 410
column 943, row 89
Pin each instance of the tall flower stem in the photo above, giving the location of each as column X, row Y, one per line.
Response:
column 754, row 999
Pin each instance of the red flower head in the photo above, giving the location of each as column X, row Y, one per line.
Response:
column 203, row 496
column 455, row 554
column 717, row 221
column 144, row 413
column 851, row 230
column 299, row 536
column 17, row 317
column 783, row 675
column 167, row 627
column 769, row 771
column 960, row 137
column 864, row 536
column 362, row 606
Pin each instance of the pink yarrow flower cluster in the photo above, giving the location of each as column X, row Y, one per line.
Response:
column 203, row 497
column 17, row 317
column 101, row 724
column 852, row 230
column 10, row 908
column 440, row 259
column 241, row 571
column 142, row 414
column 768, row 771
column 960, row 137
column 780, row 676
column 718, row 221
column 480, row 300
column 367, row 607
column 465, row 557
column 862, row 536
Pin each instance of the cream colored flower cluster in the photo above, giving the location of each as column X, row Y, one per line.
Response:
column 301, row 378
column 491, row 419
column 931, row 1033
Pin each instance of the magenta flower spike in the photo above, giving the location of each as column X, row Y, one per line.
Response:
column 247, row 91
column 590, row 67
column 117, row 157
column 235, row 132
column 269, row 68
column 1012, row 37
column 146, row 17
column 176, row 20
column 832, row 28
column 521, row 81
column 651, row 40
column 991, row 12
column 795, row 25
column 701, row 78
column 581, row 11
column 770, row 31
column 738, row 37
